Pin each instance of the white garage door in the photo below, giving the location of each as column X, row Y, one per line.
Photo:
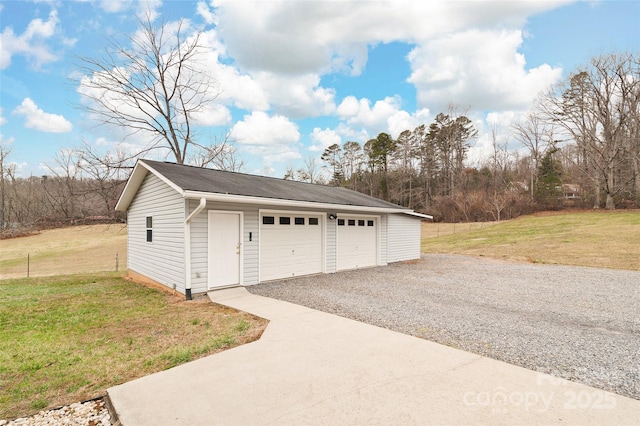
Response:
column 290, row 245
column 357, row 242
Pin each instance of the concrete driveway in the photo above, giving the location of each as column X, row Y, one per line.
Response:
column 311, row 367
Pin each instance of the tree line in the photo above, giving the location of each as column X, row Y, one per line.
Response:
column 74, row 191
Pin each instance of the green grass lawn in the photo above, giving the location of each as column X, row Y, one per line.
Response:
column 67, row 339
column 599, row 239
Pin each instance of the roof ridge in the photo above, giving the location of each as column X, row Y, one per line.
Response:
column 247, row 174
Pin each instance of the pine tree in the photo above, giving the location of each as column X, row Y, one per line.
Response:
column 549, row 185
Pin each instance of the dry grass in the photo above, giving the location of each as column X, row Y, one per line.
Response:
column 77, row 249
column 435, row 230
column 598, row 239
column 68, row 338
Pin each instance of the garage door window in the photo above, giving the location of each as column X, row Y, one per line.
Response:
column 340, row 222
column 369, row 223
column 352, row 222
column 268, row 220
column 299, row 221
column 361, row 223
column 313, row 221
column 285, row 220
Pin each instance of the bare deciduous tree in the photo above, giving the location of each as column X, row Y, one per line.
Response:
column 154, row 84
column 104, row 181
column 4, row 173
column 598, row 108
column 536, row 135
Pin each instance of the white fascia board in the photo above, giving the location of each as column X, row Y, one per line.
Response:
column 243, row 199
column 420, row 215
column 135, row 180
column 162, row 178
column 131, row 187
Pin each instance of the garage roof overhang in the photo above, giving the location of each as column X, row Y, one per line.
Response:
column 283, row 203
column 420, row 215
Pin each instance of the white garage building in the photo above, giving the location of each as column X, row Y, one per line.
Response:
column 194, row 229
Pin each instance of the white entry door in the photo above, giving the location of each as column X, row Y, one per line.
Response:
column 225, row 249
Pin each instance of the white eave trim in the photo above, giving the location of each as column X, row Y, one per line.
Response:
column 135, row 180
column 244, row 199
column 420, row 215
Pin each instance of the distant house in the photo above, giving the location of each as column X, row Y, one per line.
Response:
column 571, row 191
column 193, row 229
column 518, row 186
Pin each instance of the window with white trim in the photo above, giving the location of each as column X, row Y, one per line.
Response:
column 149, row 225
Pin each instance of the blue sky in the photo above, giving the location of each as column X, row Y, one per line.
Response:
column 298, row 76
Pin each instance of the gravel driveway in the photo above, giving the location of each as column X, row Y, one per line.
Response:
column 581, row 324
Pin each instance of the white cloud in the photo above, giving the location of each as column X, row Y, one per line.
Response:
column 3, row 120
column 348, row 133
column 360, row 111
column 114, row 6
column 212, row 115
column 37, row 119
column 7, row 141
column 310, row 37
column 323, row 138
column 31, row 43
column 143, row 8
column 502, row 119
column 477, row 69
column 402, row 120
column 203, row 10
column 384, row 116
column 233, row 87
column 92, row 87
column 296, row 96
column 258, row 128
column 274, row 138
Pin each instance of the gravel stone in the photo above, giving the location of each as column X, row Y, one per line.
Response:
column 88, row 413
column 577, row 323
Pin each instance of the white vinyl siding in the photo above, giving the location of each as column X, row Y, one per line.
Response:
column 251, row 248
column 162, row 259
column 384, row 239
column 199, row 240
column 403, row 238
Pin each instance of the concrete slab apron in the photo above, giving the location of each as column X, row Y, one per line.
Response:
column 310, row 367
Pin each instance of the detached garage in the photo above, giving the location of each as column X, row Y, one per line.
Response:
column 193, row 229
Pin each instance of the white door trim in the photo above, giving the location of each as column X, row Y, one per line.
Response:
column 210, row 275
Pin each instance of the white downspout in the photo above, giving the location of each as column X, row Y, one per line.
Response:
column 187, row 245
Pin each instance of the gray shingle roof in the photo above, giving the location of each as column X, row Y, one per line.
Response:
column 190, row 178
